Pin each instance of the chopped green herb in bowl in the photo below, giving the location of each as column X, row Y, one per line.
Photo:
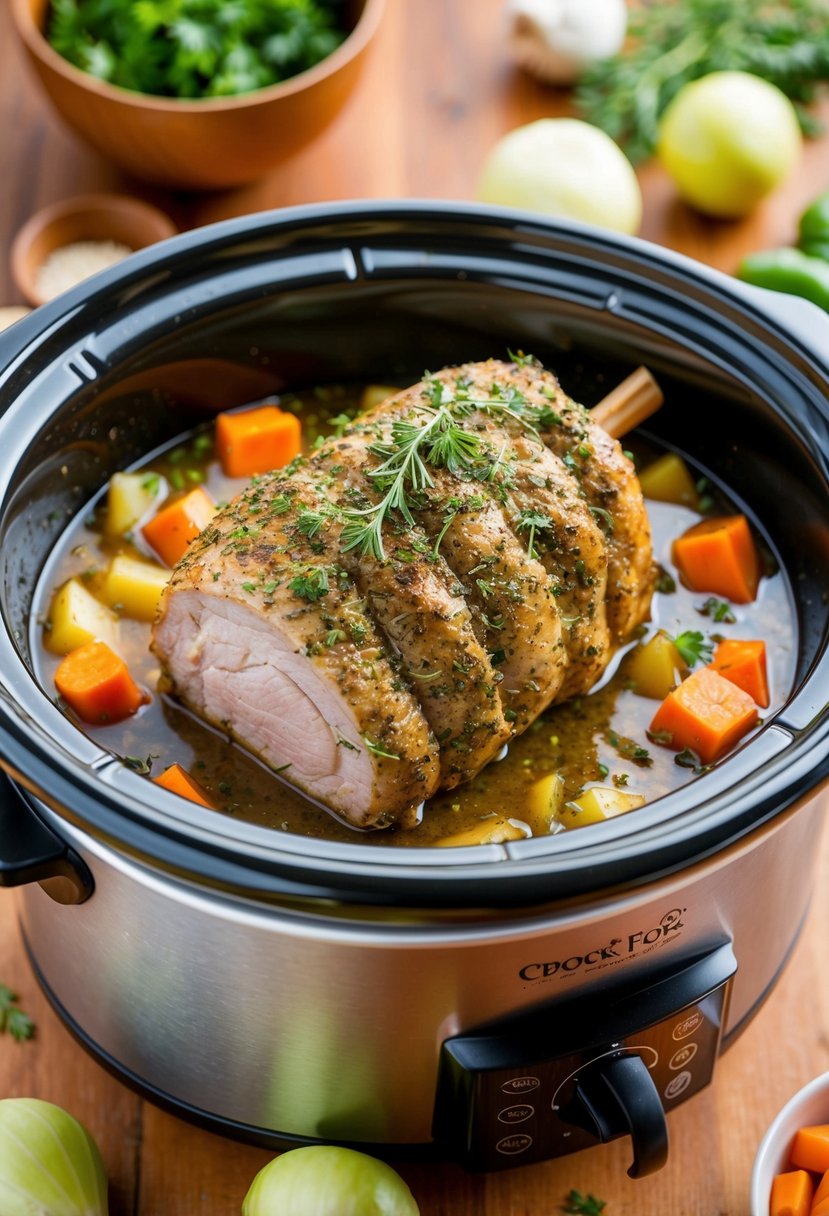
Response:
column 194, row 48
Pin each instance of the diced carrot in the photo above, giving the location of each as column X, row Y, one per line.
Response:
column 707, row 713
column 178, row 780
column 810, row 1149
column 821, row 1198
column 256, row 441
column 744, row 664
column 820, row 1209
column 791, row 1194
column 719, row 555
column 95, row 681
column 171, row 530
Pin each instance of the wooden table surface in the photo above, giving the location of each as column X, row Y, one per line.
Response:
column 437, row 91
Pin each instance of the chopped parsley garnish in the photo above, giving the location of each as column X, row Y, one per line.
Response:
column 312, row 585
column 692, row 647
column 719, row 610
column 533, row 521
column 665, row 582
column 689, row 759
column 139, row 764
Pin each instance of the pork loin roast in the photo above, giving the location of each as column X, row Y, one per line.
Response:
column 379, row 618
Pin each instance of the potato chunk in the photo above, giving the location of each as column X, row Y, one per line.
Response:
column 597, row 804
column 130, row 496
column 544, row 802
column 655, row 668
column 135, row 586
column 668, row 479
column 76, row 617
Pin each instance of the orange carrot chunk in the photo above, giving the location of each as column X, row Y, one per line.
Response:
column 95, row 682
column 178, row 780
column 171, row 530
column 744, row 664
column 810, row 1149
column 719, row 555
column 820, row 1208
column 791, row 1194
column 821, row 1198
column 707, row 713
column 255, row 441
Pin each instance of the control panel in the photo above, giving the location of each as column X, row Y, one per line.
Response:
column 605, row 1062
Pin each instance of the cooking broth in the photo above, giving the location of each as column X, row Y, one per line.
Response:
column 599, row 739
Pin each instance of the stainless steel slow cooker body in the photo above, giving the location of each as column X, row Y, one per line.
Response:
column 281, row 988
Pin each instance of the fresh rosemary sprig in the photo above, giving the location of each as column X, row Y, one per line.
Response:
column 438, row 441
column 436, row 438
column 784, row 41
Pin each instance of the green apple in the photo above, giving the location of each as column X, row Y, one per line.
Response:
column 563, row 167
column 728, row 140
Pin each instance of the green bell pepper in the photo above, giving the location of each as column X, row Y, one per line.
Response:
column 791, row 271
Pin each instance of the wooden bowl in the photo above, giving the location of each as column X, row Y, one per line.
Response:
column 206, row 144
column 89, row 217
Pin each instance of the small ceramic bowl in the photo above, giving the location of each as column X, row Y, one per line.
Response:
column 809, row 1106
column 203, row 144
column 89, row 217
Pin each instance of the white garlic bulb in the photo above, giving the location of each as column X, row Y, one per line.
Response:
column 556, row 39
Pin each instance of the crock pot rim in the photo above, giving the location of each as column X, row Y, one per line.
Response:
column 367, row 871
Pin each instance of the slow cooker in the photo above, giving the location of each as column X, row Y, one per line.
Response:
column 497, row 1004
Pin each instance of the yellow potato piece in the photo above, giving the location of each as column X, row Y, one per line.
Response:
column 597, row 804
column 376, row 394
column 656, row 668
column 668, row 480
column 544, row 802
column 489, row 831
column 135, row 587
column 129, row 496
column 76, row 618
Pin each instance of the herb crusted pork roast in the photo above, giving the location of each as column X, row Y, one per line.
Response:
column 380, row 617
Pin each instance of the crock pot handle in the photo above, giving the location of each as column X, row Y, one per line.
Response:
column 618, row 1095
column 31, row 852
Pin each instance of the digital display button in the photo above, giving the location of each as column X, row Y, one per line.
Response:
column 682, row 1057
column 516, row 1114
column 688, row 1025
column 677, row 1085
column 511, row 1145
column 520, row 1085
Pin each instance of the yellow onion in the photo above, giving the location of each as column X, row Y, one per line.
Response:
column 49, row 1164
column 326, row 1181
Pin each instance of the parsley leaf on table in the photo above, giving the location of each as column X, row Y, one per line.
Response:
column 12, row 1019
column 583, row 1205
